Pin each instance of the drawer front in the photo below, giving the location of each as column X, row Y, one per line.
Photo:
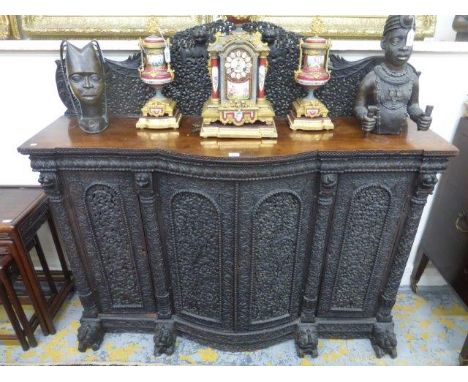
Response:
column 363, row 230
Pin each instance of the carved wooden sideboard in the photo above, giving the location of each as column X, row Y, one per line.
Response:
column 238, row 244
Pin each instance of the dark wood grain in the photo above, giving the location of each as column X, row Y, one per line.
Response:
column 64, row 134
column 17, row 202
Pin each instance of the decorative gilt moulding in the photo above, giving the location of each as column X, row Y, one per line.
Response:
column 4, row 27
column 346, row 27
column 129, row 27
column 100, row 27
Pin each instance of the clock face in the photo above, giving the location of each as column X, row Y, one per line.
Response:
column 238, row 65
column 238, row 68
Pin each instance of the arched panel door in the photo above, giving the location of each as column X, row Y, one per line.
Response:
column 362, row 233
column 274, row 239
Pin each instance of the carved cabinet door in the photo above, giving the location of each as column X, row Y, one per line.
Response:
column 197, row 222
column 105, row 215
column 364, row 227
column 273, row 222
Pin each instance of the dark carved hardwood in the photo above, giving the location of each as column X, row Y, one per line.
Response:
column 237, row 243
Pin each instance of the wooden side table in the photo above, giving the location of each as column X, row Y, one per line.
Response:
column 23, row 210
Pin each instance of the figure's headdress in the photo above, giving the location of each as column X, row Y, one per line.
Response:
column 89, row 59
column 407, row 22
column 399, row 22
column 85, row 60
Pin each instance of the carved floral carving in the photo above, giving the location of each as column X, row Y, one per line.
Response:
column 275, row 232
column 107, row 217
column 197, row 241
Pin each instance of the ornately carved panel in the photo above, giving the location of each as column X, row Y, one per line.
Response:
column 367, row 211
column 275, row 233
column 106, row 222
column 112, row 238
column 363, row 234
column 274, row 241
column 197, row 240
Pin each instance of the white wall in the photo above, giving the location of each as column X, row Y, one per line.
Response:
column 29, row 100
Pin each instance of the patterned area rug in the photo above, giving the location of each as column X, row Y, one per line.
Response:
column 430, row 328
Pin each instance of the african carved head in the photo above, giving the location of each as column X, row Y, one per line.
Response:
column 84, row 72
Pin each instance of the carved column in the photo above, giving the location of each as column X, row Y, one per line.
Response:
column 90, row 334
column 383, row 338
column 144, row 182
column 325, row 202
column 307, row 335
column 165, row 335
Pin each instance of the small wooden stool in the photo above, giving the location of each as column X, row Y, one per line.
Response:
column 23, row 210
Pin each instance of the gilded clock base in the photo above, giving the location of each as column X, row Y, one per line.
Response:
column 238, row 113
column 309, row 124
column 167, row 122
column 256, row 131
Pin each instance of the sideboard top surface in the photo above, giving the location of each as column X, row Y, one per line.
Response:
column 64, row 135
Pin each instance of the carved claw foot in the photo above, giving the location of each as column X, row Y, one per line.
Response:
column 383, row 339
column 90, row 335
column 306, row 340
column 164, row 338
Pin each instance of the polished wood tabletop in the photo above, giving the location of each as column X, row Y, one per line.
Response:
column 16, row 202
column 121, row 135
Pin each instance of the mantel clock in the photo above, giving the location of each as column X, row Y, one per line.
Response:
column 237, row 107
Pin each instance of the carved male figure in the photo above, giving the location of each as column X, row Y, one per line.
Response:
column 85, row 75
column 390, row 92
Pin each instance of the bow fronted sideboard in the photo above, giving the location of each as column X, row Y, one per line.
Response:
column 237, row 243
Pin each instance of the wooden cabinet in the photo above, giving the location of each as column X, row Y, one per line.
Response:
column 238, row 244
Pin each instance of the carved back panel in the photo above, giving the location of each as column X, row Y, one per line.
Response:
column 126, row 93
column 364, row 227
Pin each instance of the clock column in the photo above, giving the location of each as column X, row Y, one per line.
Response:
column 262, row 69
column 214, row 64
